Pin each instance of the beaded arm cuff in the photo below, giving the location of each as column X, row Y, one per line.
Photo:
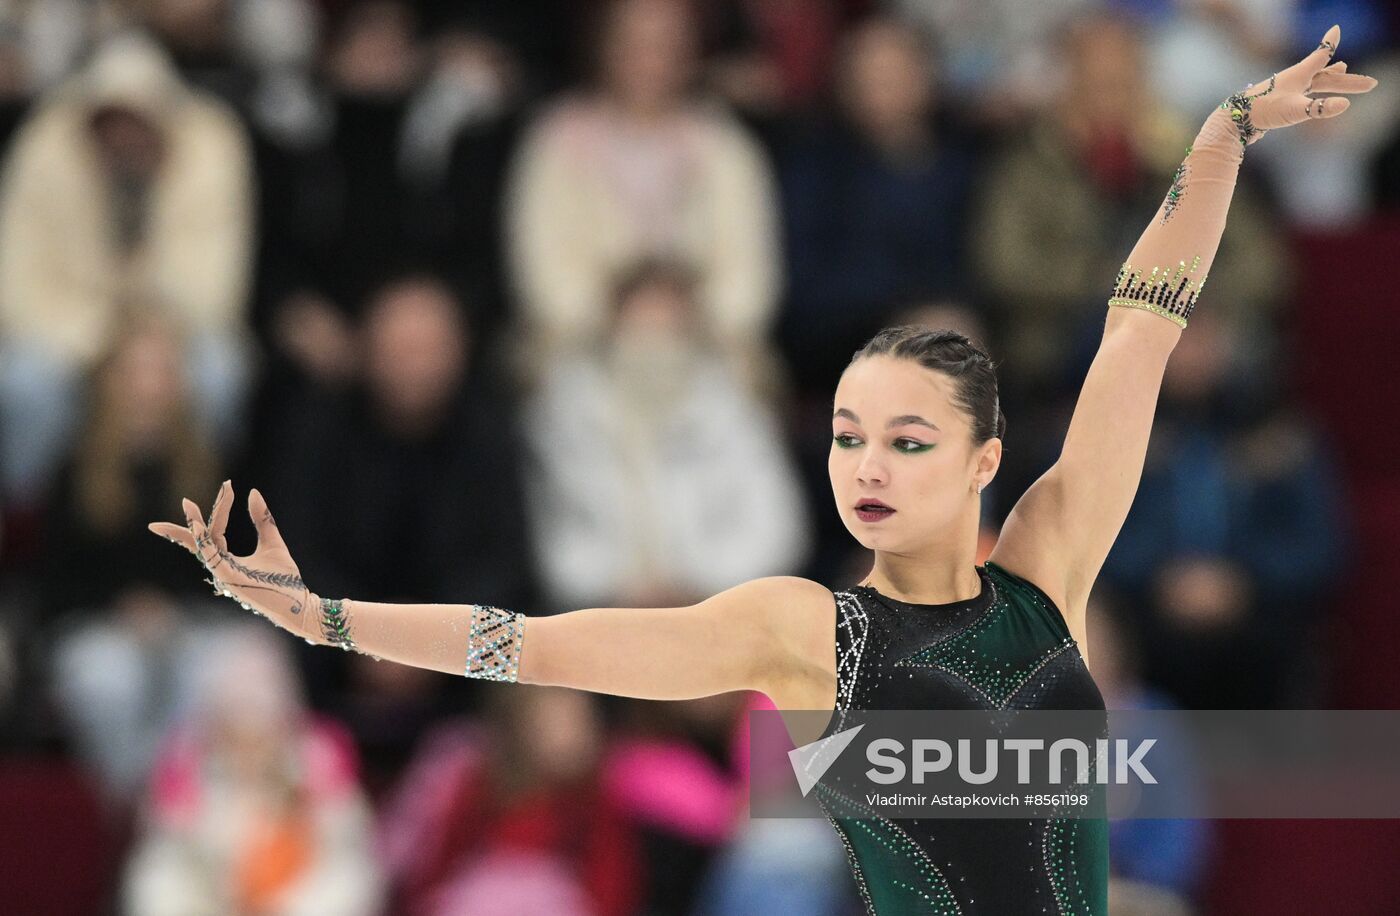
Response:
column 1163, row 292
column 494, row 643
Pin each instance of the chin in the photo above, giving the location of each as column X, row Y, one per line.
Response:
column 868, row 537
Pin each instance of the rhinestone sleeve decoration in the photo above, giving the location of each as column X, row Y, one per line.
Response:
column 1171, row 294
column 335, row 624
column 1240, row 105
column 493, row 644
column 1177, row 190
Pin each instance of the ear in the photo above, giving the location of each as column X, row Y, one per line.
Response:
column 989, row 460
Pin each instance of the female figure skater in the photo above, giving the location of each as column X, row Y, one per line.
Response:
column 916, row 436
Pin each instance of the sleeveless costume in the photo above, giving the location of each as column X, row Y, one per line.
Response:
column 1006, row 648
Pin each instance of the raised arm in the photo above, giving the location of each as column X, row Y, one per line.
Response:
column 1063, row 527
column 762, row 635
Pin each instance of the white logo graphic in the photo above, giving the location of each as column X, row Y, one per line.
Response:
column 810, row 761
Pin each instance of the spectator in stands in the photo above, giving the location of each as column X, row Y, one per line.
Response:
column 427, row 503
column 658, row 478
column 639, row 167
column 876, row 205
column 121, row 678
column 341, row 212
column 254, row 805
column 138, row 447
column 125, row 188
column 514, row 809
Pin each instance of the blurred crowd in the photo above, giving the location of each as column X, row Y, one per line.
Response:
column 541, row 304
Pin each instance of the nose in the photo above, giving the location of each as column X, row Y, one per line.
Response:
column 871, row 469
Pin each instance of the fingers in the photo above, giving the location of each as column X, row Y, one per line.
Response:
column 218, row 516
column 192, row 513
column 1328, row 107
column 263, row 521
column 1303, row 108
column 176, row 534
column 204, row 546
column 1325, row 51
column 1330, row 81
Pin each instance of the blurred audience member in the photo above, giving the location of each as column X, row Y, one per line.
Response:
column 123, row 677
column 658, row 479
column 137, row 452
column 125, row 187
column 1064, row 203
column 418, row 464
column 381, row 186
column 876, row 206
column 637, row 168
column 1236, row 534
column 254, row 805
column 513, row 810
column 343, row 214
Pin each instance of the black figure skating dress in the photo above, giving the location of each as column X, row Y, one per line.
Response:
column 1007, row 648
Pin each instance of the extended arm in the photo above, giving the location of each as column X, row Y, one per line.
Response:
column 721, row 644
column 1064, row 526
column 754, row 636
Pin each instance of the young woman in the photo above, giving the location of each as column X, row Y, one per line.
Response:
column 916, row 436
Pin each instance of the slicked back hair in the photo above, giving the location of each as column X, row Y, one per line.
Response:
column 973, row 373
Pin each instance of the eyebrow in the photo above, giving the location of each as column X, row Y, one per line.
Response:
column 897, row 421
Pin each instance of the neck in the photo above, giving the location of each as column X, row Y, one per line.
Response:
column 918, row 581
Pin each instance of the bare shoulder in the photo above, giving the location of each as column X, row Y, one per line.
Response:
column 795, row 620
column 776, row 601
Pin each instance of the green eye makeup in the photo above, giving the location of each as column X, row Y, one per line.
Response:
column 846, row 440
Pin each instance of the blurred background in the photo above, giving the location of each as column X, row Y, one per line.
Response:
column 541, row 304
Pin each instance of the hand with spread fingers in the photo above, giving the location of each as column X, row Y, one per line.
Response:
column 1167, row 269
column 1309, row 90
column 267, row 581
